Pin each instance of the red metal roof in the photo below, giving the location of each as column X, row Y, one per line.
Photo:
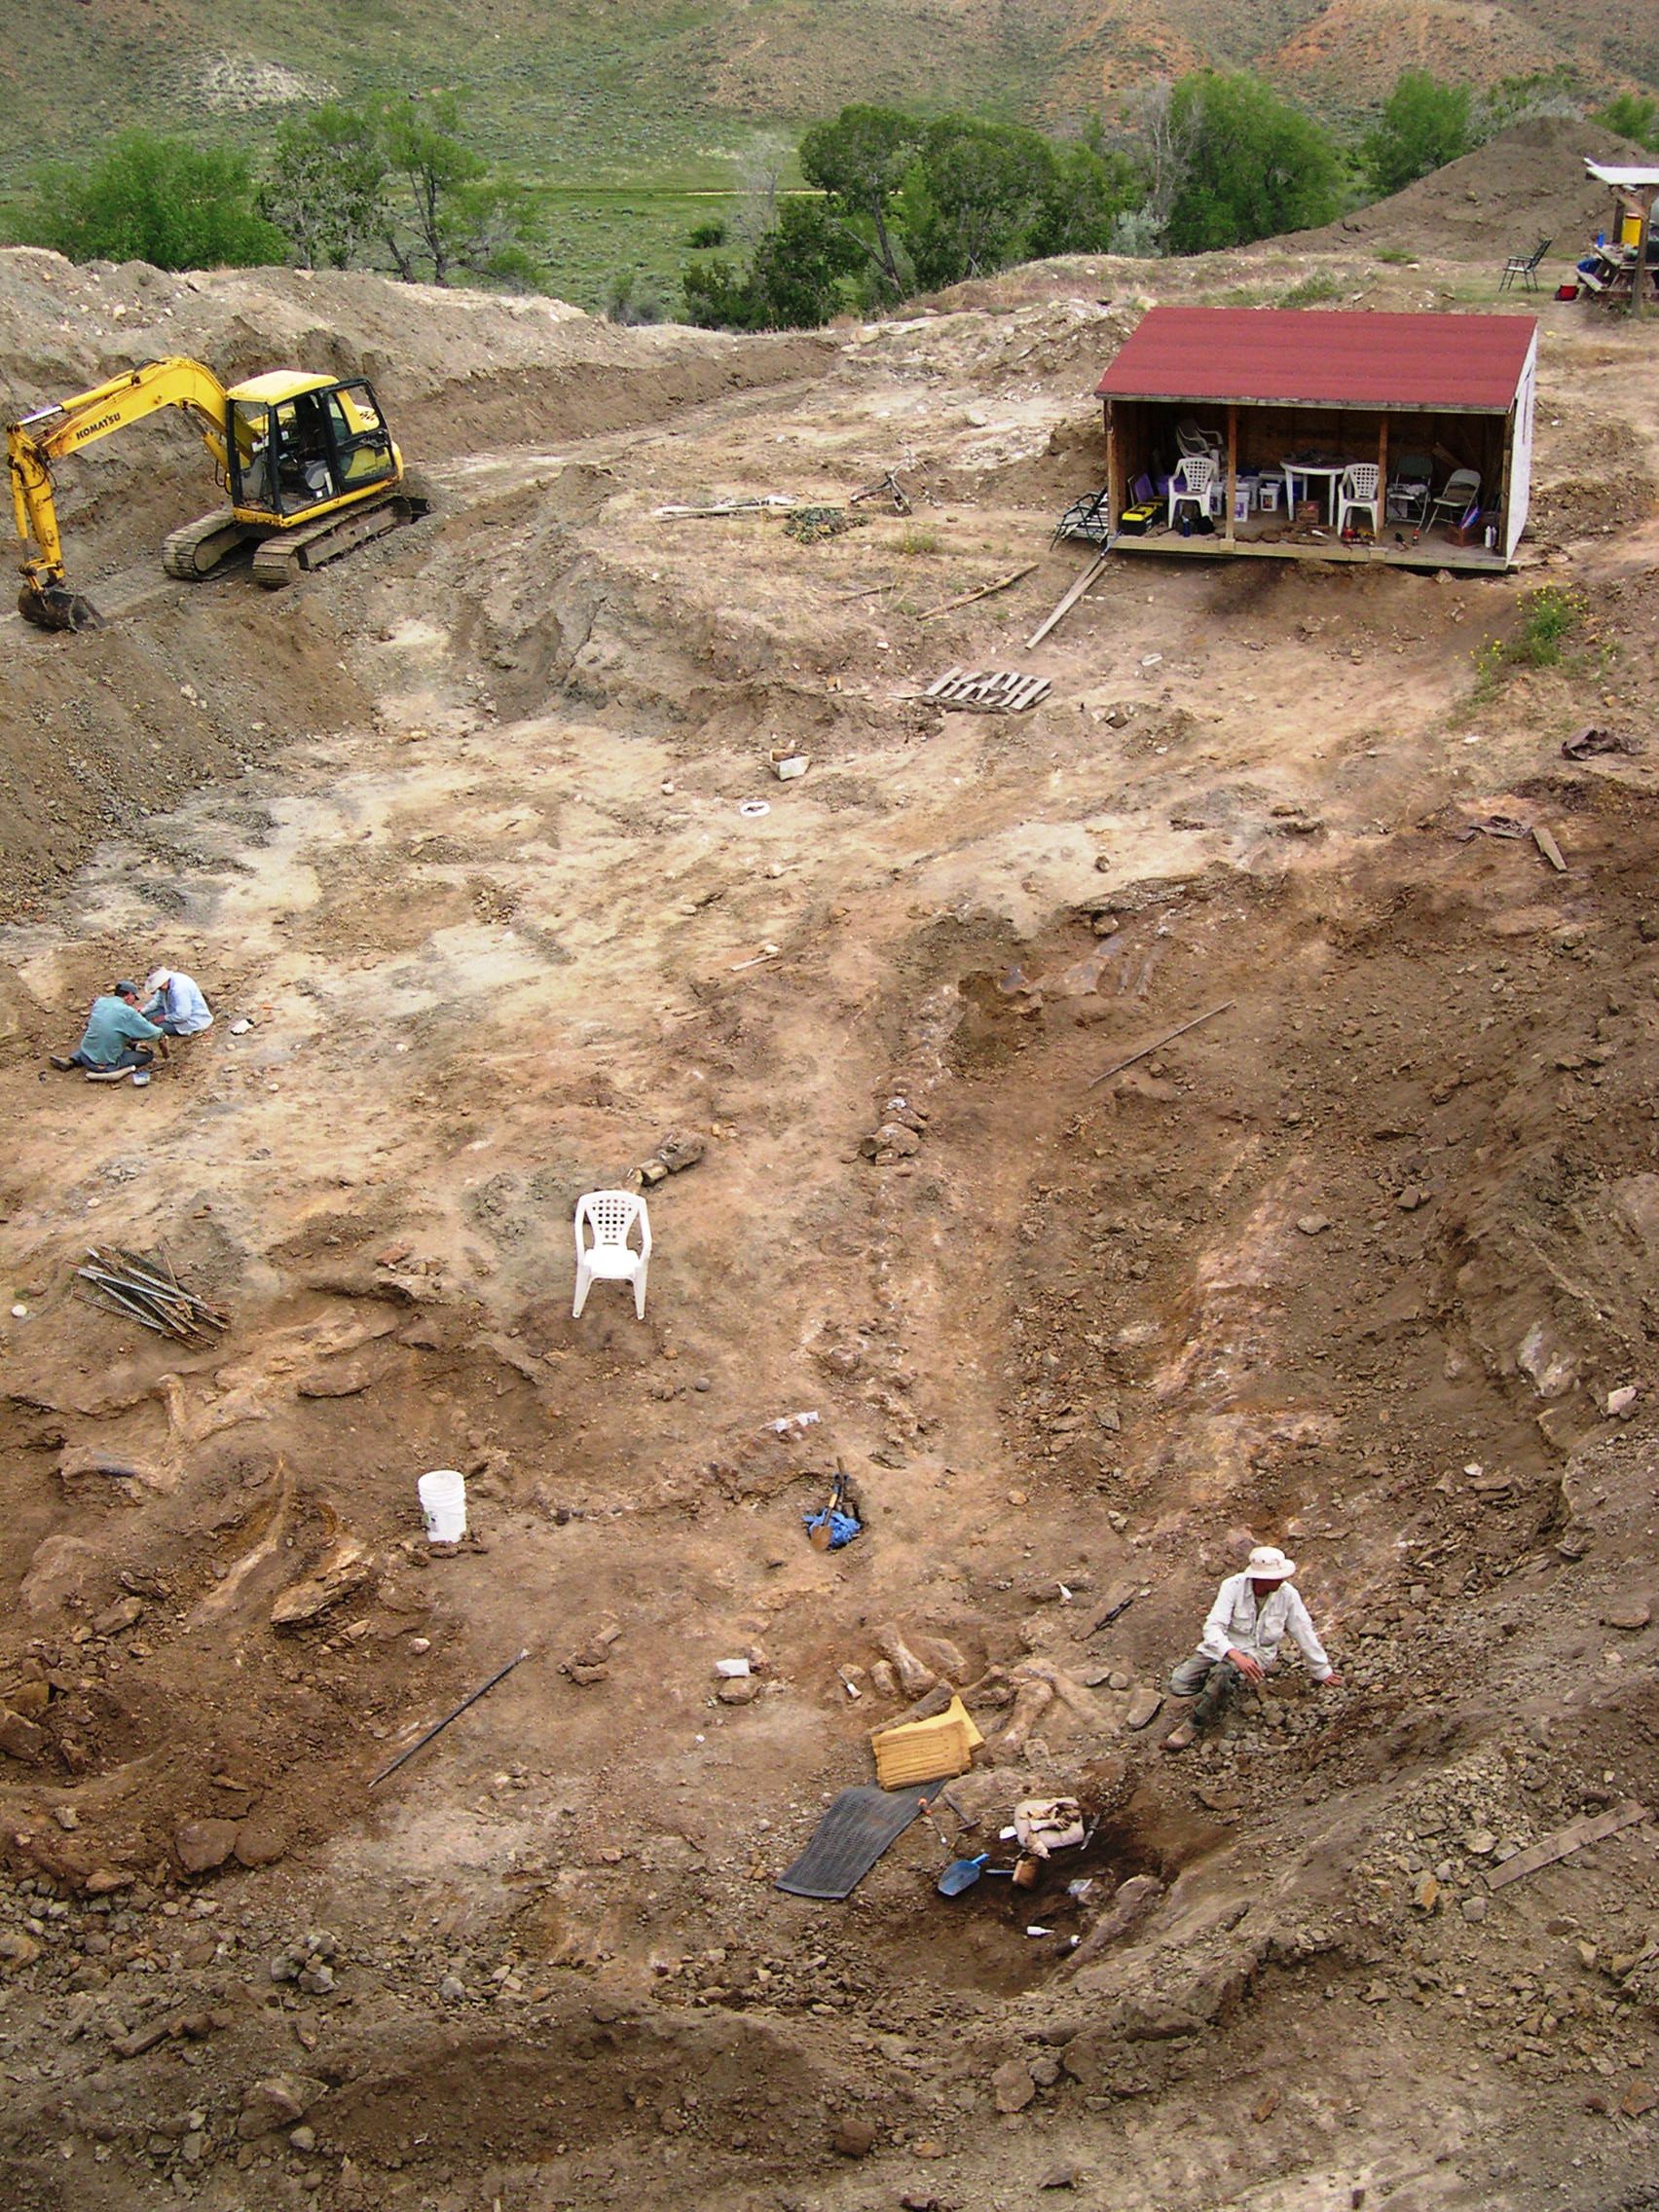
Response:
column 1265, row 357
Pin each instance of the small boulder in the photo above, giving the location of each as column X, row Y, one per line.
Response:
column 1012, row 2086
column 21, row 1739
column 260, row 1841
column 851, row 2137
column 280, row 2100
column 202, row 1845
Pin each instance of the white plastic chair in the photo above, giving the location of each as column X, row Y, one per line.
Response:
column 1359, row 493
column 1191, row 439
column 609, row 1216
column 1193, row 483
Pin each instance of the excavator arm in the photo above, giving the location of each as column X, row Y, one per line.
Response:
column 37, row 440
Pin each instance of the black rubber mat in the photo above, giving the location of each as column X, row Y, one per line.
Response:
column 858, row 1827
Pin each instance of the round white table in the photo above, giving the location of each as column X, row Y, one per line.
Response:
column 1332, row 471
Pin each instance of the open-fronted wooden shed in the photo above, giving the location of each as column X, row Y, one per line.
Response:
column 1295, row 408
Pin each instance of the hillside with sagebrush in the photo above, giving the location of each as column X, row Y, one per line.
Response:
column 617, row 89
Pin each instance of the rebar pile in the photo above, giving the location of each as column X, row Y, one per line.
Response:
column 149, row 1291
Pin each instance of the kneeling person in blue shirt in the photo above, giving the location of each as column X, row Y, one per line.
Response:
column 116, row 1041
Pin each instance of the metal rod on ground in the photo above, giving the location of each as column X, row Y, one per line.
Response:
column 1158, row 1043
column 438, row 1726
column 125, row 1313
column 136, row 1303
column 145, row 1274
column 173, row 1305
column 137, row 1263
column 1071, row 599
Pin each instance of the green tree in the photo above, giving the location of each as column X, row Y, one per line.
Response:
column 1424, row 126
column 793, row 281
column 324, row 184
column 157, row 200
column 860, row 161
column 1633, row 116
column 1089, row 190
column 975, row 197
column 1256, row 165
column 440, row 209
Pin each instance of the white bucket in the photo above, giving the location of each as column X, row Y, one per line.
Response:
column 443, row 1503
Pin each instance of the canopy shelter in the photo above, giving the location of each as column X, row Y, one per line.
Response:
column 1404, row 439
column 1622, row 263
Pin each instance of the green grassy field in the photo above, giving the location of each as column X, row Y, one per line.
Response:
column 620, row 114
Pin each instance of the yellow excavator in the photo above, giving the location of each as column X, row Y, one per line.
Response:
column 308, row 460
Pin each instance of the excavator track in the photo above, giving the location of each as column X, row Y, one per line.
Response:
column 197, row 549
column 282, row 558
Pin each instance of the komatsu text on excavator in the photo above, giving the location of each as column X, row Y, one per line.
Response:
column 308, row 460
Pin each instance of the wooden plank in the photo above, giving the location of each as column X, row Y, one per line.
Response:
column 1114, row 472
column 985, row 590
column 939, row 684
column 1547, row 845
column 1070, row 600
column 1028, row 694
column 1232, row 531
column 1574, row 1837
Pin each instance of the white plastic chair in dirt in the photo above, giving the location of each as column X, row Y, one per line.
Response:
column 1193, row 483
column 610, row 1217
column 1359, row 493
column 1462, row 491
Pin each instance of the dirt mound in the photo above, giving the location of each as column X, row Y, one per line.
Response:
column 1526, row 184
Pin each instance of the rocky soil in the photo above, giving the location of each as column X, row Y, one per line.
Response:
column 1362, row 1266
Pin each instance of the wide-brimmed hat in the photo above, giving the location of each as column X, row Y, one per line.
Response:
column 159, row 976
column 1267, row 1564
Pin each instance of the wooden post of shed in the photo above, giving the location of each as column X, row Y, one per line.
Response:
column 1231, row 473
column 1382, row 480
column 1114, row 468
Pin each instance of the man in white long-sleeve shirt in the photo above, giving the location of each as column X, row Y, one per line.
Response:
column 1252, row 1615
column 176, row 1003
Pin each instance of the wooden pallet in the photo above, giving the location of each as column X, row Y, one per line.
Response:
column 987, row 690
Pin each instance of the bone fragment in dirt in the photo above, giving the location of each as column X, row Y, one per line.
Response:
column 914, row 1679
column 926, row 1708
column 342, row 1568
column 1033, row 1701
column 1131, row 1901
column 1065, row 1687
column 224, row 1595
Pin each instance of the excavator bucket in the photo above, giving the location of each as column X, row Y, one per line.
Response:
column 54, row 606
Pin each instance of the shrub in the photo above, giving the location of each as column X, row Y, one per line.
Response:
column 1549, row 616
column 702, row 236
column 1312, row 290
column 157, row 200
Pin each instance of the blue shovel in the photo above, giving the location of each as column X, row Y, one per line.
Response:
column 963, row 1873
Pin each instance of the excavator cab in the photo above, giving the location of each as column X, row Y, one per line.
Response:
column 295, row 442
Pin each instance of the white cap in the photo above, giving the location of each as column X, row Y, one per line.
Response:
column 1266, row 1564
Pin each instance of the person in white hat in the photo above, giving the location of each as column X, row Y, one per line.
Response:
column 1252, row 1615
column 175, row 1002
